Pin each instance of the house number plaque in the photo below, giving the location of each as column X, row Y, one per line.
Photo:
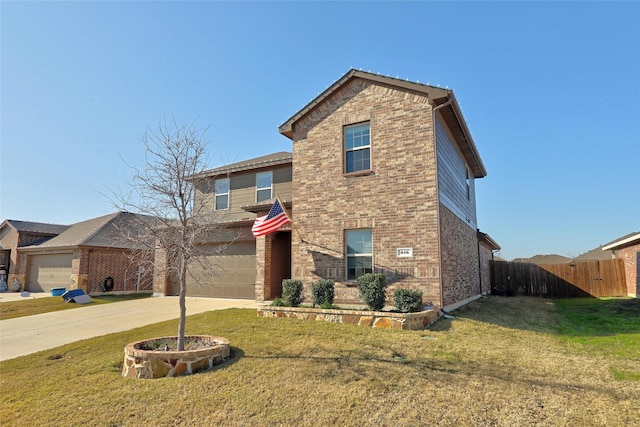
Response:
column 404, row 252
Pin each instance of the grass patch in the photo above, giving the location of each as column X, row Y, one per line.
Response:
column 500, row 362
column 29, row 307
column 608, row 326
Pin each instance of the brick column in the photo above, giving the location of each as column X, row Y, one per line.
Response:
column 263, row 267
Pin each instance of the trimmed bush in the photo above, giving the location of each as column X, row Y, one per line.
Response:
column 371, row 289
column 322, row 292
column 278, row 302
column 407, row 300
column 292, row 292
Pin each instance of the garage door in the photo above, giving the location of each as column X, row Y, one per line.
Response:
column 229, row 275
column 49, row 271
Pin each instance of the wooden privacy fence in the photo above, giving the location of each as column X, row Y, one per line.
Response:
column 604, row 278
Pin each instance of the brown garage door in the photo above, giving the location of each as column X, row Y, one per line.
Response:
column 229, row 275
column 49, row 271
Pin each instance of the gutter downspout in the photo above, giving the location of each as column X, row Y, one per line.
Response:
column 435, row 149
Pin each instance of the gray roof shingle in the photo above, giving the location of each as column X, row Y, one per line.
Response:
column 279, row 158
column 104, row 231
column 36, row 227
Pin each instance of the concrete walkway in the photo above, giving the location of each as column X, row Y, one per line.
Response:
column 29, row 334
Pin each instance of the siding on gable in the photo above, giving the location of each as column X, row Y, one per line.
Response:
column 452, row 178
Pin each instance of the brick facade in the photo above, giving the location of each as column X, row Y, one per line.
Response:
column 397, row 200
column 460, row 264
column 91, row 266
column 263, row 266
column 96, row 264
column 486, row 255
column 631, row 257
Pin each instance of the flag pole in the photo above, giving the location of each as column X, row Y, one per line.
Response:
column 293, row 227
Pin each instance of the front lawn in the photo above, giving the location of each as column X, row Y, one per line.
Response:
column 28, row 307
column 501, row 361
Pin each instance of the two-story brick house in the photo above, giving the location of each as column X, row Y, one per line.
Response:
column 381, row 179
column 384, row 177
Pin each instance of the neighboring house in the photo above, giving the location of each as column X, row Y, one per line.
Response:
column 627, row 248
column 87, row 255
column 544, row 259
column 235, row 194
column 384, row 177
column 17, row 234
column 596, row 254
column 486, row 253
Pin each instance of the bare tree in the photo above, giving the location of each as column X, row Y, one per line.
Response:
column 172, row 219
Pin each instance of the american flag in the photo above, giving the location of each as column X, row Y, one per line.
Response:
column 276, row 218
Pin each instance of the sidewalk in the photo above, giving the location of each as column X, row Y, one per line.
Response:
column 25, row 335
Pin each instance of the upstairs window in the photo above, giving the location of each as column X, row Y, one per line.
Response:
column 357, row 148
column 359, row 251
column 222, row 193
column 263, row 186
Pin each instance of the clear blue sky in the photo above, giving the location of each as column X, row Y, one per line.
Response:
column 550, row 91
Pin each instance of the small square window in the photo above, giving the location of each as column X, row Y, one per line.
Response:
column 264, row 181
column 357, row 148
column 359, row 253
column 222, row 193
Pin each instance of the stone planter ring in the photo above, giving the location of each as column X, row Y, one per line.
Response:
column 157, row 357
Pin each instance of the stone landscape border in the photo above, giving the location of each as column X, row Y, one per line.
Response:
column 375, row 319
column 159, row 363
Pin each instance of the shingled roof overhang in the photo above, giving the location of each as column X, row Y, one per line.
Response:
column 627, row 240
column 451, row 112
column 270, row 160
column 264, row 207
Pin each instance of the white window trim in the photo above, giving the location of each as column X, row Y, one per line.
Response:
column 270, row 188
column 346, row 150
column 347, row 255
column 216, row 194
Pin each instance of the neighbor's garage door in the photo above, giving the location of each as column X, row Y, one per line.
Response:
column 229, row 275
column 49, row 271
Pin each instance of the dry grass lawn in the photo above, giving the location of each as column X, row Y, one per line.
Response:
column 501, row 362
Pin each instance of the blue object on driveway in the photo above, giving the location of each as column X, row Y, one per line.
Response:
column 56, row 292
column 69, row 295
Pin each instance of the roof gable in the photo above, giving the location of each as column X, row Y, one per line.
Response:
column 104, row 231
column 35, row 227
column 440, row 98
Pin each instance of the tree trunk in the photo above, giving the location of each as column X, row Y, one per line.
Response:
column 183, row 305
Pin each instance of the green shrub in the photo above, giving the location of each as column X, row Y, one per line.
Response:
column 407, row 300
column 327, row 306
column 278, row 302
column 322, row 292
column 292, row 292
column 371, row 289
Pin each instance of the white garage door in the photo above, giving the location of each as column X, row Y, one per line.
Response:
column 230, row 275
column 49, row 271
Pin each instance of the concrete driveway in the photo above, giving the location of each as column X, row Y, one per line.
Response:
column 29, row 334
